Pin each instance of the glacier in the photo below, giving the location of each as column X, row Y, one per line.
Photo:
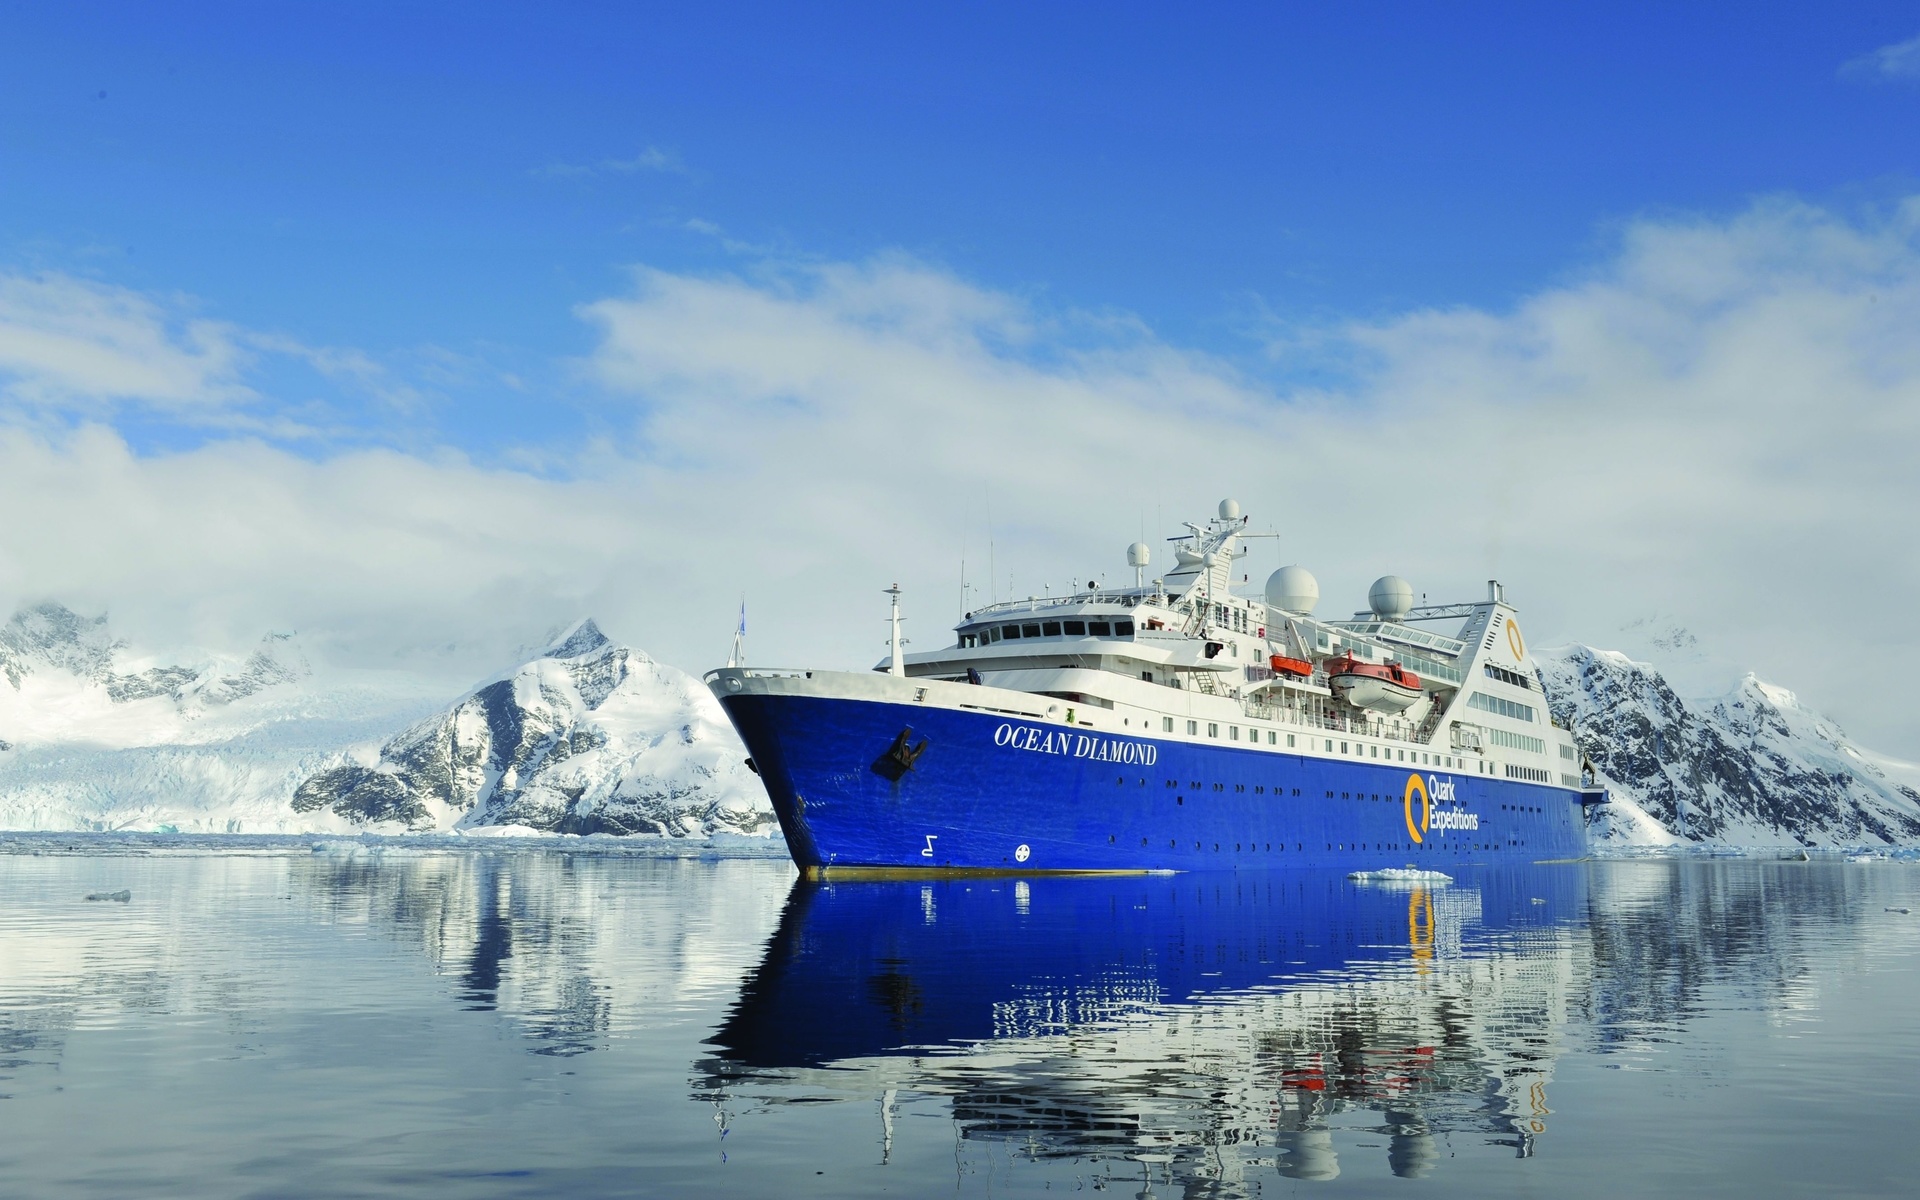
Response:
column 587, row 737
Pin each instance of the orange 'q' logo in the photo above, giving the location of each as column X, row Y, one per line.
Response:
column 1419, row 785
column 1514, row 641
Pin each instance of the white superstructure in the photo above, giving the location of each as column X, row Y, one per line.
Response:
column 1186, row 657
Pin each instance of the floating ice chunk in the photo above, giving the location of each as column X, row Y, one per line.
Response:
column 1898, row 910
column 1400, row 875
column 123, row 895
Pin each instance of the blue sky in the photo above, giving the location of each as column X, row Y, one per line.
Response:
column 403, row 179
column 427, row 328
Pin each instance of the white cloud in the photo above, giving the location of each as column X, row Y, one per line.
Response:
column 1899, row 61
column 79, row 348
column 652, row 159
column 63, row 339
column 1718, row 424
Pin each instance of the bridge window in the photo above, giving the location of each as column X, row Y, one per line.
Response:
column 1123, row 629
column 1009, row 631
column 1501, row 705
column 967, row 640
column 1029, row 631
column 1076, row 629
column 1050, row 629
column 1511, row 677
column 1099, row 629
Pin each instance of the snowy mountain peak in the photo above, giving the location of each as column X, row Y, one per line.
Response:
column 1754, row 767
column 75, row 655
column 277, row 660
column 580, row 639
column 1778, row 697
column 590, row 737
column 54, row 637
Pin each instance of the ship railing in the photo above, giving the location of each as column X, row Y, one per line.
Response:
column 764, row 672
column 1352, row 725
column 1043, row 603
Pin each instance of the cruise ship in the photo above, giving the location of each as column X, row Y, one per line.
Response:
column 1175, row 725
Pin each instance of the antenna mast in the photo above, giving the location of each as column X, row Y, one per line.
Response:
column 899, row 664
column 738, row 656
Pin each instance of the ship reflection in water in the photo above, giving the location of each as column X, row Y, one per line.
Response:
column 1207, row 1027
column 504, row 1021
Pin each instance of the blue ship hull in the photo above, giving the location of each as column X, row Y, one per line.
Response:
column 870, row 785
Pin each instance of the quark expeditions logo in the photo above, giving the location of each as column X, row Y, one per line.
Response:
column 1435, row 790
column 1075, row 745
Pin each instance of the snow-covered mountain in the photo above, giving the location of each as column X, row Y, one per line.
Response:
column 94, row 736
column 587, row 737
column 590, row 737
column 1752, row 768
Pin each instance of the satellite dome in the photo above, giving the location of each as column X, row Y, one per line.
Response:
column 1138, row 554
column 1229, row 510
column 1293, row 589
column 1391, row 597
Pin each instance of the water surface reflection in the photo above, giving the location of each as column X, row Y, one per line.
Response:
column 1218, row 1023
column 522, row 1021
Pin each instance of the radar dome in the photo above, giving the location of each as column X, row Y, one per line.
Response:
column 1138, row 554
column 1391, row 597
column 1229, row 510
column 1293, row 589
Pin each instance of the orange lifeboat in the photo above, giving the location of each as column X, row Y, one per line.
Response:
column 1389, row 687
column 1298, row 668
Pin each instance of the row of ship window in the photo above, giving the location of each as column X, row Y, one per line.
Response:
column 1502, row 706
column 1505, row 676
column 1458, row 847
column 1045, row 629
column 1357, row 749
column 1516, row 741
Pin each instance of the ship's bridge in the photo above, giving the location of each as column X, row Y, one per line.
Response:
column 1088, row 615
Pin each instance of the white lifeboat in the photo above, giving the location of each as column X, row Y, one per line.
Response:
column 1388, row 687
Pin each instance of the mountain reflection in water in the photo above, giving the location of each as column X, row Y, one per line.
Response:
column 531, row 1020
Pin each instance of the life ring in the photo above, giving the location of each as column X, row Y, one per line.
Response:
column 1417, row 784
column 1515, row 641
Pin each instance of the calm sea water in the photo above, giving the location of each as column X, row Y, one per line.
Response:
column 520, row 1021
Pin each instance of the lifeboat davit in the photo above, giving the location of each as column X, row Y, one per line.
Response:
column 1388, row 687
column 1299, row 668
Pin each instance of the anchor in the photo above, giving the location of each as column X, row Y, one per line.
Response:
column 900, row 757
